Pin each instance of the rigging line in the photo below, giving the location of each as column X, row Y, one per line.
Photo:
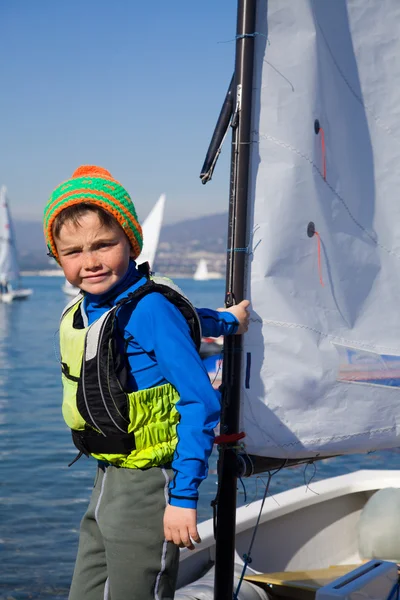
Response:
column 219, row 367
column 319, row 258
column 258, row 478
column 272, row 496
column 248, row 249
column 244, row 489
column 372, row 237
column 255, row 495
column 247, row 557
column 307, row 483
column 279, row 73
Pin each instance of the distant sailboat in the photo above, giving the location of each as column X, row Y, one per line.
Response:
column 151, row 232
column 9, row 269
column 69, row 289
column 203, row 274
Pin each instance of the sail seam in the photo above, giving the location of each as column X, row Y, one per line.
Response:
column 371, row 236
column 354, row 343
column 335, row 437
column 377, row 119
column 274, row 444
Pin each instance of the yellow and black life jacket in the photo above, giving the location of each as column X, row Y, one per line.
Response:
column 129, row 429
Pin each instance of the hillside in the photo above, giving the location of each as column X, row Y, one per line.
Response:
column 181, row 244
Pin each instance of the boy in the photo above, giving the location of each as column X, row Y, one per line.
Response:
column 136, row 395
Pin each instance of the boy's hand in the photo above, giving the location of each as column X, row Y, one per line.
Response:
column 242, row 314
column 180, row 526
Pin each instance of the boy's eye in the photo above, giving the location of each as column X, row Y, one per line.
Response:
column 104, row 245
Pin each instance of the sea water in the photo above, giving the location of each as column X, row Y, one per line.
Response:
column 41, row 499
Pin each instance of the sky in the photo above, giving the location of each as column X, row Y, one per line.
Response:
column 134, row 86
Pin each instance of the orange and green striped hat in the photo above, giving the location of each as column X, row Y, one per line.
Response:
column 94, row 185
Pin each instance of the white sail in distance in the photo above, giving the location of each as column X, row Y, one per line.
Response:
column 201, row 273
column 9, row 269
column 151, row 232
column 321, row 360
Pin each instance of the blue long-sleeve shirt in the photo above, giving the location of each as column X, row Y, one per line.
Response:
column 160, row 349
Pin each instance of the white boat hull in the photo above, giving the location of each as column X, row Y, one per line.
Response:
column 305, row 528
column 70, row 290
column 21, row 294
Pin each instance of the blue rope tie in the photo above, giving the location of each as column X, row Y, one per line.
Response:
column 246, row 35
column 250, row 35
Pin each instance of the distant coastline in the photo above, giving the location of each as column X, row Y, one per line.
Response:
column 181, row 247
column 59, row 273
column 43, row 272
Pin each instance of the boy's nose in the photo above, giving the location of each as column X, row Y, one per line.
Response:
column 90, row 260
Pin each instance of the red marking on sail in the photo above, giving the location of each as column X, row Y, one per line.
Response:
column 319, row 258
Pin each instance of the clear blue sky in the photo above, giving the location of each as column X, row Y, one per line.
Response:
column 135, row 86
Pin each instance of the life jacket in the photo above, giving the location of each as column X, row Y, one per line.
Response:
column 128, row 429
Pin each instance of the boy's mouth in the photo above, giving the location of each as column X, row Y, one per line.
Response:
column 94, row 278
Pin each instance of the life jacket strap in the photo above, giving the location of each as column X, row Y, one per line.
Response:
column 90, row 442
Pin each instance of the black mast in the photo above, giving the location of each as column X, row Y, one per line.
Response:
column 237, row 240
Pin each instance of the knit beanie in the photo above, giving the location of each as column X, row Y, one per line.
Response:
column 94, row 185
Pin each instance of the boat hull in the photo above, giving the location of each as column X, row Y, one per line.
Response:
column 310, row 527
column 9, row 297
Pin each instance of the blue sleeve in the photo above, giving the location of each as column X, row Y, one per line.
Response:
column 215, row 323
column 160, row 329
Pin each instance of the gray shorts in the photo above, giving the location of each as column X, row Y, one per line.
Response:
column 122, row 552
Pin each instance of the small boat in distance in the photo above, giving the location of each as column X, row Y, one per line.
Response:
column 203, row 274
column 9, row 269
column 69, row 289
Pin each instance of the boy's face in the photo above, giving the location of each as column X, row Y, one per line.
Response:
column 94, row 257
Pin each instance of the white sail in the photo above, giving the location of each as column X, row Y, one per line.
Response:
column 10, row 289
column 151, row 232
column 9, row 269
column 201, row 273
column 321, row 361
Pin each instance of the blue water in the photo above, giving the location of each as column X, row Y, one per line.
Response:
column 41, row 499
